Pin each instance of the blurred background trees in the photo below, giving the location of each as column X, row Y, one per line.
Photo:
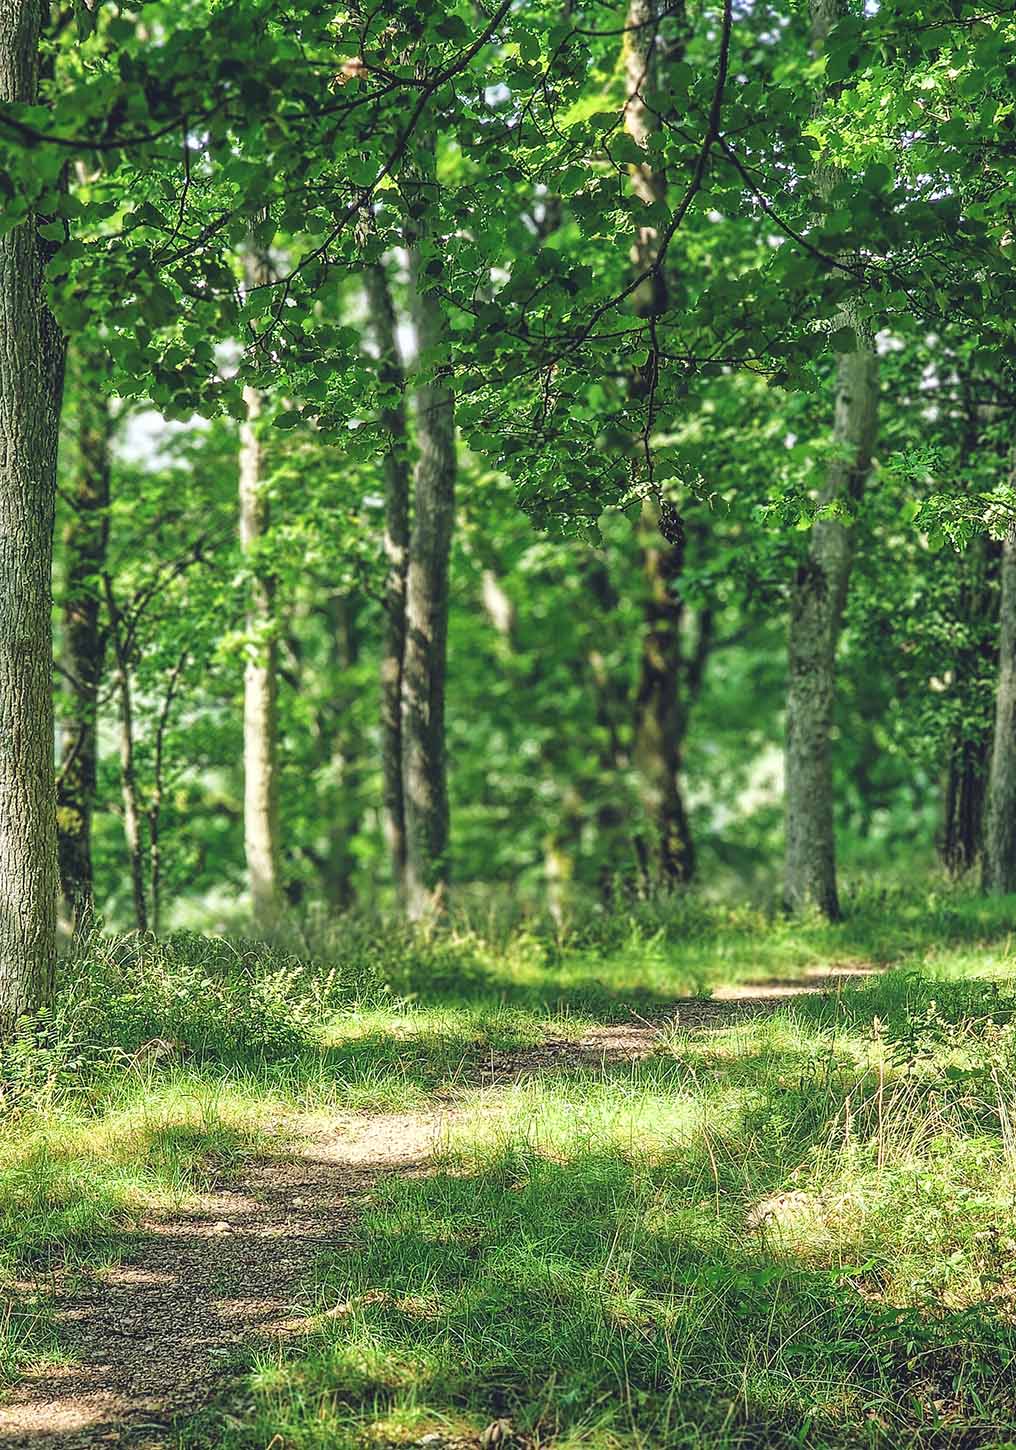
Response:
column 483, row 389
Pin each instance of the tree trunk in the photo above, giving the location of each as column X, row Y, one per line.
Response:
column 132, row 813
column 612, row 699
column 967, row 775
column 659, row 717
column 1000, row 831
column 158, row 783
column 964, row 808
column 396, row 477
column 339, row 867
column 130, row 794
column 84, row 645
column 424, row 776
column 668, row 859
column 260, row 680
column 31, row 379
column 818, row 595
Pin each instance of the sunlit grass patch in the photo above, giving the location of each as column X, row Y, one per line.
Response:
column 389, row 1059
column 74, row 1184
column 792, row 1232
column 567, row 1299
column 70, row 1181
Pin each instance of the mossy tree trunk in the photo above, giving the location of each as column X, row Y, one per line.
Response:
column 818, row 595
column 424, row 761
column 31, row 385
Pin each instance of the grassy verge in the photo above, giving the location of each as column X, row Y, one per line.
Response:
column 795, row 1233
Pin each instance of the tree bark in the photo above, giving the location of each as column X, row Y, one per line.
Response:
column 396, row 542
column 963, row 808
column 84, row 644
column 338, row 869
column 130, row 793
column 1000, row 831
column 818, row 595
column 31, row 381
column 660, row 719
column 612, row 699
column 425, row 785
column 260, row 681
column 158, row 783
column 668, row 859
column 960, row 843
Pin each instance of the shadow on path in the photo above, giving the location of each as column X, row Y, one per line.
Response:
column 157, row 1337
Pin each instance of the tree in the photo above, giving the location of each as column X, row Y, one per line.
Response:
column 817, row 599
column 391, row 379
column 122, row 638
column 670, row 859
column 31, row 385
column 1000, row 832
column 84, row 543
column 260, row 680
column 969, row 748
column 425, row 785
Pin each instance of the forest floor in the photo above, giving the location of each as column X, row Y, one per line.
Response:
column 149, row 1338
column 778, row 1215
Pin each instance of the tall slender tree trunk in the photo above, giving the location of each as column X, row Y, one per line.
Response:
column 154, row 812
column 339, row 866
column 396, row 477
column 659, row 712
column 669, row 858
column 967, row 772
column 818, row 595
column 424, row 768
column 260, row 680
column 31, row 382
column 84, row 542
column 133, row 814
column 1000, row 830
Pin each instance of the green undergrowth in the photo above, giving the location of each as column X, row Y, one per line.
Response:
column 604, row 960
column 581, row 1263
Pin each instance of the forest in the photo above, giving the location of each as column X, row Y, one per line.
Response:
column 507, row 724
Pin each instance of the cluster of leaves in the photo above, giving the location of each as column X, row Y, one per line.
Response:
column 200, row 127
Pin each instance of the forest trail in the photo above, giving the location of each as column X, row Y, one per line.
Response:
column 154, row 1337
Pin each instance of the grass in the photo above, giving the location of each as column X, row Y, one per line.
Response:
column 798, row 1231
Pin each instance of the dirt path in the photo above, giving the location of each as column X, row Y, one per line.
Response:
column 152, row 1339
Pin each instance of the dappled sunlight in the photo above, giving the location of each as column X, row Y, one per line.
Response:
column 579, row 1274
column 783, row 1214
column 747, row 1217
